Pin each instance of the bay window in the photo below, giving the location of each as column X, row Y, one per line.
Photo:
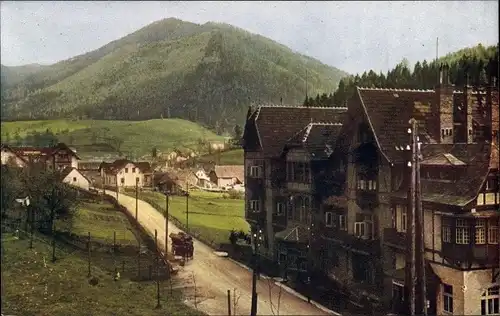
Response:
column 446, row 233
column 480, row 231
column 493, row 231
column 490, row 301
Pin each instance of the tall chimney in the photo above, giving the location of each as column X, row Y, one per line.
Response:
column 442, row 108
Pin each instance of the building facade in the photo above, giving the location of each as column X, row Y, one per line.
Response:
column 333, row 197
column 124, row 173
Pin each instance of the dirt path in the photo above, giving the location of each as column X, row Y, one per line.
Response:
column 215, row 275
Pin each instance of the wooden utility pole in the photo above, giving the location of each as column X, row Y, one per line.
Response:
column 158, row 305
column 136, row 198
column 187, row 207
column 420, row 246
column 89, row 253
column 411, row 234
column 309, row 258
column 256, row 241
column 166, row 221
column 229, row 302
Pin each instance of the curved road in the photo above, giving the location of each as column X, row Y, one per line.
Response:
column 215, row 275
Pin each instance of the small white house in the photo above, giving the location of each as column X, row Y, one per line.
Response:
column 75, row 178
column 9, row 156
column 123, row 173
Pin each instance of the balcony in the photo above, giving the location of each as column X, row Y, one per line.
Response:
column 351, row 242
column 394, row 238
column 367, row 199
column 486, row 255
column 257, row 217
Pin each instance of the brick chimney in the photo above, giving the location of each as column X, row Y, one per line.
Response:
column 442, row 108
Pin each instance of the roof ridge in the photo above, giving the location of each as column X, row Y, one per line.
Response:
column 303, row 107
column 326, row 123
column 308, row 130
column 395, row 89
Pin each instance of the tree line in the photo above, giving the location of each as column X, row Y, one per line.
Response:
column 475, row 66
column 33, row 138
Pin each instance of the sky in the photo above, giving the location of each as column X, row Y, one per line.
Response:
column 352, row 36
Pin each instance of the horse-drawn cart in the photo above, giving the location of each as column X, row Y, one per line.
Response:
column 182, row 245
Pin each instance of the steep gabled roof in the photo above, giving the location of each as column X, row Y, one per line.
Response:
column 230, row 171
column 66, row 171
column 318, row 138
column 444, row 159
column 472, row 172
column 274, row 125
column 119, row 164
column 7, row 147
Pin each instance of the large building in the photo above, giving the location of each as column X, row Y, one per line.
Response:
column 56, row 157
column 331, row 185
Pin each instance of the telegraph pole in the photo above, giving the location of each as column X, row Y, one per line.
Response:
column 166, row 221
column 411, row 259
column 136, row 198
column 256, row 242
column 309, row 258
column 187, row 207
column 420, row 246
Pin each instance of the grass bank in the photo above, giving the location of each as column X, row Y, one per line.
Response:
column 211, row 215
column 104, row 137
column 33, row 285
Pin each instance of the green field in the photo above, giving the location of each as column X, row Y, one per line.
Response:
column 102, row 137
column 33, row 285
column 101, row 219
column 210, row 214
column 230, row 157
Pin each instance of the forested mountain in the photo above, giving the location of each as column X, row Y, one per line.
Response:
column 479, row 63
column 205, row 73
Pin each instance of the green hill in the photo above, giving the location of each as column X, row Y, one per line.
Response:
column 100, row 138
column 206, row 73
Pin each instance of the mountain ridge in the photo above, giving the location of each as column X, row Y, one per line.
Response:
column 206, row 73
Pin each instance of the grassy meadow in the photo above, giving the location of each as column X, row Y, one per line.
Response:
column 34, row 286
column 230, row 157
column 102, row 137
column 211, row 215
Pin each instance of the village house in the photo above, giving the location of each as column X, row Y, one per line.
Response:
column 351, row 207
column 176, row 181
column 11, row 157
column 74, row 177
column 202, row 177
column 56, row 157
column 124, row 173
column 227, row 176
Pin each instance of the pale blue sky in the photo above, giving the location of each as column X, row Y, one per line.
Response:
column 353, row 36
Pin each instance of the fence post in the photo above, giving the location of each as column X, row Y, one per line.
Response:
column 229, row 302
column 114, row 252
column 139, row 260
column 158, row 305
column 89, row 248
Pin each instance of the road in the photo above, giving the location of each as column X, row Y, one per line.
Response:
column 214, row 275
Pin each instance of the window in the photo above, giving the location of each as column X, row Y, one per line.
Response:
column 446, row 231
column 290, row 212
column 492, row 232
column 255, row 171
column 280, row 208
column 480, row 231
column 470, row 131
column 359, row 229
column 462, row 232
column 133, row 170
column 442, row 132
column 126, row 170
column 448, row 298
column 490, row 301
column 122, row 180
column 254, row 205
column 328, row 219
column 403, row 217
column 74, row 179
column 393, row 217
column 342, row 222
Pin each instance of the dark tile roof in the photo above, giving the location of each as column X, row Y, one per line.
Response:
column 42, row 151
column 389, row 112
column 274, row 125
column 471, row 174
column 318, row 138
column 230, row 171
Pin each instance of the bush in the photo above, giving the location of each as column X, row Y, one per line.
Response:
column 235, row 195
